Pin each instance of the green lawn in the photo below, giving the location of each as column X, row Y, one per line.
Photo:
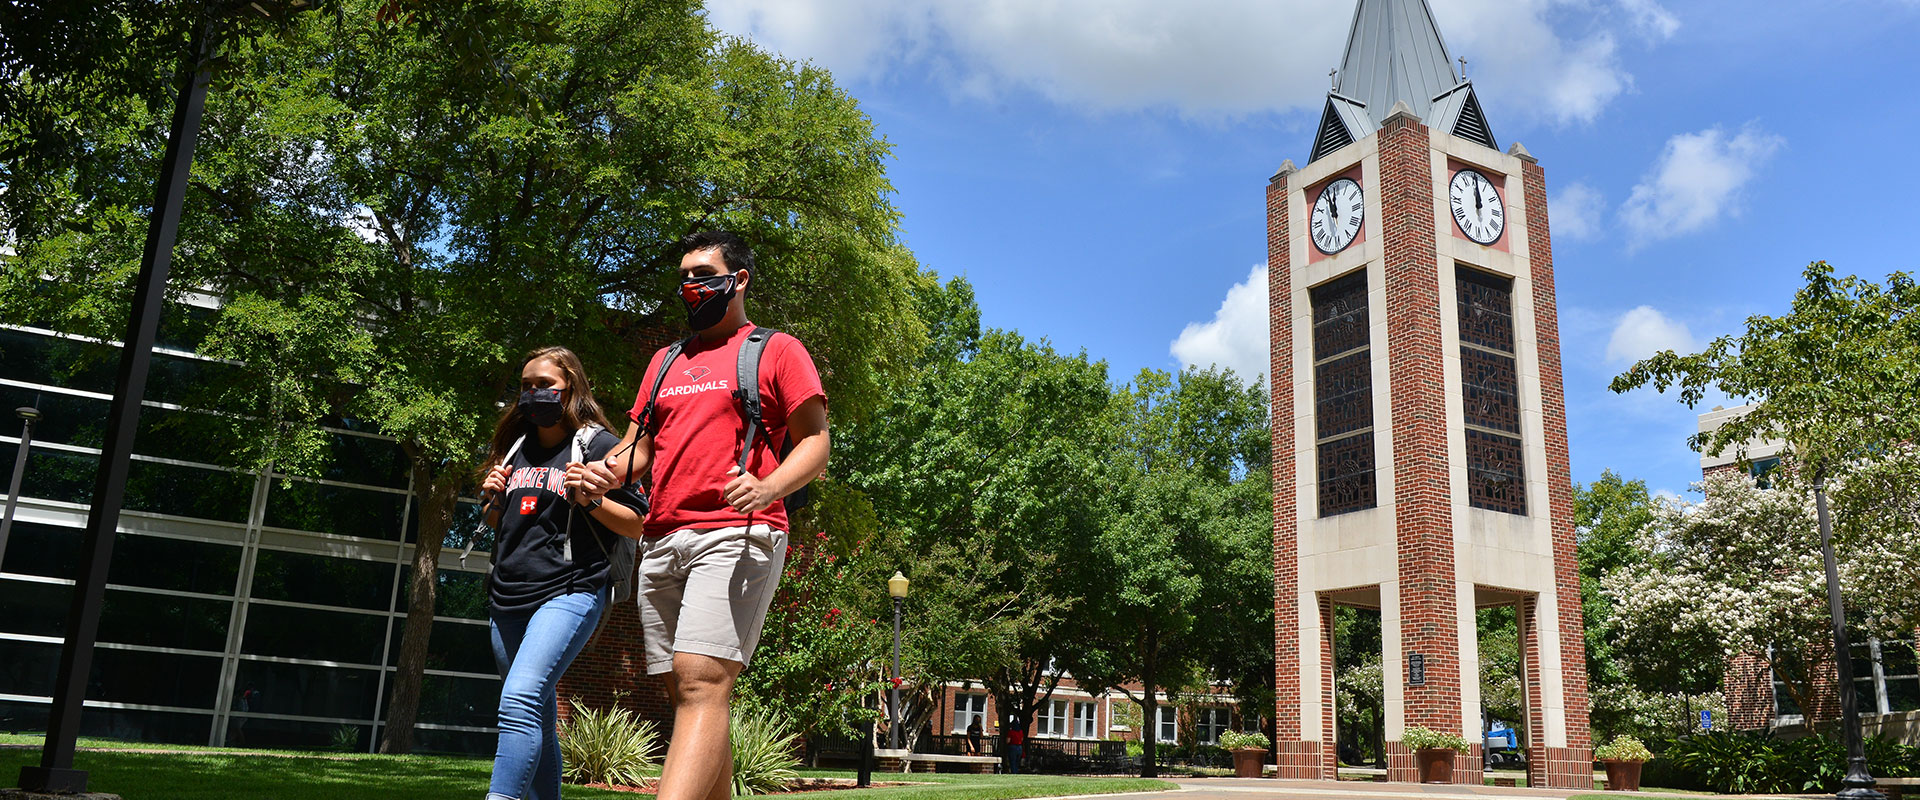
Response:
column 209, row 773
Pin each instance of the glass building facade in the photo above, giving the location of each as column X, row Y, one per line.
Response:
column 244, row 607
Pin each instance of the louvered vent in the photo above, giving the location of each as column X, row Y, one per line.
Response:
column 1472, row 125
column 1333, row 134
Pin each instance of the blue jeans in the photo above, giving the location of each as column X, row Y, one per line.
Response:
column 533, row 651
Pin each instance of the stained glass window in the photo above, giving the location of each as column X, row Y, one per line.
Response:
column 1343, row 395
column 1490, row 388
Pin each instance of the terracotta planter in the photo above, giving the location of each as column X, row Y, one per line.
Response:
column 1249, row 762
column 1623, row 776
column 1436, row 766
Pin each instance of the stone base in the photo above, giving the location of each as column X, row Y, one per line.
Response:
column 22, row 794
column 1560, row 767
column 1300, row 761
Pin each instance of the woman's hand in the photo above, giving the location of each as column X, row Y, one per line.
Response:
column 496, row 481
column 590, row 481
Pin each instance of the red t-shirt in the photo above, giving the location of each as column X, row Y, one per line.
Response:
column 698, row 428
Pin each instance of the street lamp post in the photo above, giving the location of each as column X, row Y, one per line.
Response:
column 1858, row 784
column 896, row 586
column 28, row 414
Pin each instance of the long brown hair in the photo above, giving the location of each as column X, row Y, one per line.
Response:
column 579, row 409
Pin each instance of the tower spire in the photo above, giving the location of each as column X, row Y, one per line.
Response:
column 1395, row 54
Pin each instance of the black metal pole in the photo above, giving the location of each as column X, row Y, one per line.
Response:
column 866, row 755
column 55, row 772
column 27, row 415
column 893, row 701
column 1859, row 782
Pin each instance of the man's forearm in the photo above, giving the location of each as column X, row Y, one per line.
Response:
column 805, row 463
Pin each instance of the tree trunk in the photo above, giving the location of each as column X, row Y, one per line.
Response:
column 1149, row 708
column 436, row 497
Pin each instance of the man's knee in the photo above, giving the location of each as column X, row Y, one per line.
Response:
column 698, row 678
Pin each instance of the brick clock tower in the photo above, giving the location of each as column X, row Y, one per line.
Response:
column 1419, row 437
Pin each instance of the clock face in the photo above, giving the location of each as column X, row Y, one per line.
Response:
column 1337, row 215
column 1476, row 206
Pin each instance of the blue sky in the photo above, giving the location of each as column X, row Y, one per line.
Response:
column 1097, row 167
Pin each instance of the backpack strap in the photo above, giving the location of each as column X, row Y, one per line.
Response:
column 747, row 376
column 577, row 448
column 474, row 538
column 646, row 420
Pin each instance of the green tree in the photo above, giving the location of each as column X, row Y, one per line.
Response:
column 982, row 476
column 397, row 200
column 1191, row 492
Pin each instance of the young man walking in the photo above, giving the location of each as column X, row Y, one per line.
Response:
column 715, row 538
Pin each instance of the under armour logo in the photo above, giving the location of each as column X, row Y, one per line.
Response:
column 528, row 504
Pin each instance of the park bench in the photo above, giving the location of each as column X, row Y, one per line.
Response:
column 930, row 762
column 1896, row 788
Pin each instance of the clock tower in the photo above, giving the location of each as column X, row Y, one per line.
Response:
column 1419, row 438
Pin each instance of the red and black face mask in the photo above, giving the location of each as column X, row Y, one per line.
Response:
column 706, row 299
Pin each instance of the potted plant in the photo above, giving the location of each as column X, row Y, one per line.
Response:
column 1249, row 752
column 1433, row 752
column 1624, row 756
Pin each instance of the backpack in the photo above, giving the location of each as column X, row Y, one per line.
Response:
column 620, row 559
column 746, row 390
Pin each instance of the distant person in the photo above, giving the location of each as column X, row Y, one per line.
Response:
column 1016, row 742
column 716, row 537
column 974, row 733
column 551, row 577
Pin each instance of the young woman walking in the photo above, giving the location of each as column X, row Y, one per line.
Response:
column 551, row 578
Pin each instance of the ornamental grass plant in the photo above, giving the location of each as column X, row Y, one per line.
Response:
column 613, row 747
column 763, row 751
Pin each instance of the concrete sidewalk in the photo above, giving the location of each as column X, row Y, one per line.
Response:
column 1247, row 788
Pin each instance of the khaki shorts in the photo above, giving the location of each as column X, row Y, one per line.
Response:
column 707, row 592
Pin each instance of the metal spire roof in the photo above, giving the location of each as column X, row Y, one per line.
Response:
column 1395, row 54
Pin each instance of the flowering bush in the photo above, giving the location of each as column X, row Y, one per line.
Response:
column 1235, row 740
column 1419, row 738
column 1622, row 748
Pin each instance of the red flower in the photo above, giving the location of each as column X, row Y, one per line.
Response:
column 822, row 536
column 896, row 682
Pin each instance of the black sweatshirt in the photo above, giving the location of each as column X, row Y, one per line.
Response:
column 529, row 567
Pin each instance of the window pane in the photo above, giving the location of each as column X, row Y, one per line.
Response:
column 1495, row 478
column 332, row 509
column 244, row 732
column 312, row 634
column 466, row 525
column 154, row 620
column 65, row 477
column 180, row 565
column 360, row 459
column 306, row 691
column 192, row 382
column 146, row 726
column 37, row 609
column 158, row 679
column 28, row 668
column 1897, row 658
column 453, row 646
column 1485, row 309
column 33, row 358
column 1903, row 694
column 186, row 436
column 1346, row 475
column 428, row 740
column 446, row 700
column 303, row 578
column 459, row 594
column 44, row 550
column 64, row 418
column 189, row 491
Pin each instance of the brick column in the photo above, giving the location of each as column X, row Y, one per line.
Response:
column 1329, row 737
column 1423, row 517
column 1576, row 761
column 1296, row 757
column 1527, row 616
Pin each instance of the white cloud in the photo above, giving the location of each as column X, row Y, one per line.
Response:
column 1237, row 337
column 1644, row 331
column 1696, row 181
column 1576, row 212
column 1650, row 18
column 1221, row 57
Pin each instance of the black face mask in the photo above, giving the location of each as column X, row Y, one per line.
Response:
column 707, row 298
column 541, row 406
